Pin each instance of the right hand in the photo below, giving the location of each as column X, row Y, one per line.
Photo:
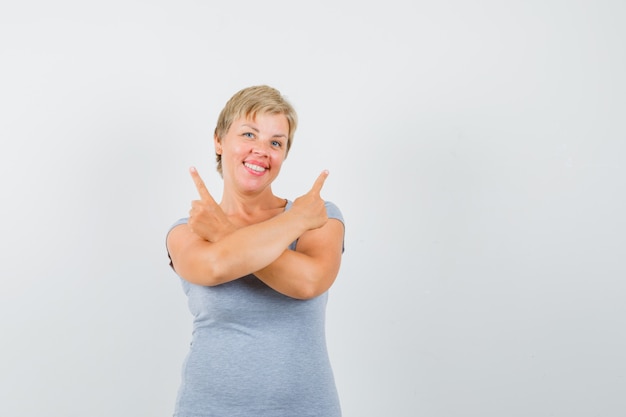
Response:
column 310, row 207
column 206, row 217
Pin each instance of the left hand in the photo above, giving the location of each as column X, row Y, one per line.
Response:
column 206, row 217
column 310, row 207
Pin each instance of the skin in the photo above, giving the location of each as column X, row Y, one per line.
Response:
column 249, row 230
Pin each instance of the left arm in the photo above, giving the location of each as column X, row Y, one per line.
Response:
column 311, row 269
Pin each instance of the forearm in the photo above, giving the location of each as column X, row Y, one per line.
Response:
column 252, row 248
column 242, row 252
column 294, row 274
column 211, row 251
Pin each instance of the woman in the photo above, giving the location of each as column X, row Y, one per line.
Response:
column 256, row 269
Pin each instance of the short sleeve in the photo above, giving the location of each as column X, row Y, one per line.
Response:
column 333, row 212
column 176, row 223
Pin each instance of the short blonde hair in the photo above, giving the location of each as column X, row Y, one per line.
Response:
column 248, row 103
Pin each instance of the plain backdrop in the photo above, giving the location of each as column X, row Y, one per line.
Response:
column 476, row 149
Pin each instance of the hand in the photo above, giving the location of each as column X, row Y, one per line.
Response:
column 206, row 217
column 310, row 206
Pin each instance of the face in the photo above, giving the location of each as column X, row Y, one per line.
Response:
column 253, row 151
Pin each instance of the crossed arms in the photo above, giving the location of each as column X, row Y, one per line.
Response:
column 210, row 250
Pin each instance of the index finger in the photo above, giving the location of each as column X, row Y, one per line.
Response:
column 319, row 182
column 202, row 190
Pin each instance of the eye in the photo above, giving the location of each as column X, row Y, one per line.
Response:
column 248, row 135
column 277, row 143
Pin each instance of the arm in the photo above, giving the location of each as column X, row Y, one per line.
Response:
column 235, row 255
column 214, row 253
column 311, row 269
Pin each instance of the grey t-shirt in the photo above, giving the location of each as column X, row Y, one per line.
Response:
column 256, row 352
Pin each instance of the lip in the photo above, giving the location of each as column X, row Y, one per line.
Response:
column 256, row 163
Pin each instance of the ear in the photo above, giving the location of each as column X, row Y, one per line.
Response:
column 218, row 145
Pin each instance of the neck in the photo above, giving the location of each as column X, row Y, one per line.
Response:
column 239, row 204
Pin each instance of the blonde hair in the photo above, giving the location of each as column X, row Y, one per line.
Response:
column 248, row 103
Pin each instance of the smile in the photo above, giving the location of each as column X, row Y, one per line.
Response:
column 253, row 167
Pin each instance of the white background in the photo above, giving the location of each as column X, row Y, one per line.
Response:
column 476, row 150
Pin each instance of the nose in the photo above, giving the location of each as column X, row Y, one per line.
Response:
column 260, row 147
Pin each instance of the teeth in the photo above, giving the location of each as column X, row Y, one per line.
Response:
column 254, row 167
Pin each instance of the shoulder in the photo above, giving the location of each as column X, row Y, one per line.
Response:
column 333, row 211
column 178, row 222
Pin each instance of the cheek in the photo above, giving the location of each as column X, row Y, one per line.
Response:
column 240, row 149
column 278, row 158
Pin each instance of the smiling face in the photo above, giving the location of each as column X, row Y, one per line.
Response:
column 250, row 101
column 253, row 150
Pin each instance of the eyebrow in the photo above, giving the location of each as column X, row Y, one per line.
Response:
column 277, row 135
column 250, row 127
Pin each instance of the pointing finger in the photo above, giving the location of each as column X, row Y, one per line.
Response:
column 319, row 182
column 202, row 190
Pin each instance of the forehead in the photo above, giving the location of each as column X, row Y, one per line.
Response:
column 274, row 122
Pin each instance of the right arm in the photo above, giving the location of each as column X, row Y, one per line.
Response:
column 240, row 253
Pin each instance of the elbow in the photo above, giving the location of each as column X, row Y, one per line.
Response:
column 306, row 292
column 195, row 260
column 311, row 288
column 211, row 275
column 206, row 279
column 200, row 272
column 314, row 283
